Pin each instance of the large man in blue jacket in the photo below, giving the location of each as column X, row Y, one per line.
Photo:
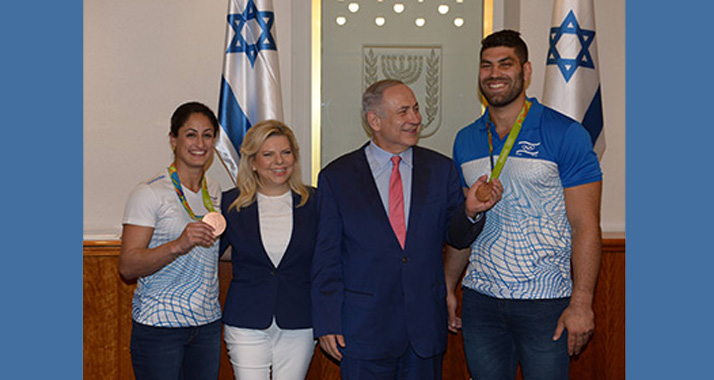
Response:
column 385, row 210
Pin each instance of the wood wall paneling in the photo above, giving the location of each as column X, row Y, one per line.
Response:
column 107, row 315
column 107, row 322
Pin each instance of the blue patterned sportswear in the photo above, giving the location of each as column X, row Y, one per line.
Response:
column 184, row 292
column 524, row 249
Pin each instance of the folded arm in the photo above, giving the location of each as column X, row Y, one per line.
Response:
column 137, row 260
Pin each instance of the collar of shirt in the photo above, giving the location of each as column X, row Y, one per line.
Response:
column 532, row 119
column 380, row 160
column 381, row 166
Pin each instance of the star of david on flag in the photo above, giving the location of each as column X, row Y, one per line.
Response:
column 250, row 84
column 250, row 44
column 572, row 79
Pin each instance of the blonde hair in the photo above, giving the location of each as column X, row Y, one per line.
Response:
column 247, row 180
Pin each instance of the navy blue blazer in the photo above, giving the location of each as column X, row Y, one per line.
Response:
column 364, row 286
column 259, row 290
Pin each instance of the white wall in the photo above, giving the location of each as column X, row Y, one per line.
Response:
column 535, row 19
column 144, row 58
column 141, row 60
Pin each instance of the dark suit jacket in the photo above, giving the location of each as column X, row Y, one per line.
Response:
column 365, row 287
column 259, row 290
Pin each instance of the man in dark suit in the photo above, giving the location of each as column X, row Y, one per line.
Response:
column 385, row 211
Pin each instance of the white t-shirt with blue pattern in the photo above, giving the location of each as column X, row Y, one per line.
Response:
column 184, row 292
column 524, row 249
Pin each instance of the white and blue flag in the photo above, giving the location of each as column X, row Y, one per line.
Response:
column 572, row 79
column 250, row 85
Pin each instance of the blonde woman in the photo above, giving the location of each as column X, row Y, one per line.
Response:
column 271, row 226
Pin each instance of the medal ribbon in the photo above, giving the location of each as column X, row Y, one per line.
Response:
column 182, row 198
column 506, row 150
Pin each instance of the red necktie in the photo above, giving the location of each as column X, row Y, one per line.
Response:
column 396, row 202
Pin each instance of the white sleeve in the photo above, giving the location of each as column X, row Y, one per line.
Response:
column 141, row 207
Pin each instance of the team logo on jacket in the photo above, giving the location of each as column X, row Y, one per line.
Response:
column 527, row 148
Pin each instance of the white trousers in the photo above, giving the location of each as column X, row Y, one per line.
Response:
column 254, row 352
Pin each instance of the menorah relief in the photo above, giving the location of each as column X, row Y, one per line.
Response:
column 406, row 68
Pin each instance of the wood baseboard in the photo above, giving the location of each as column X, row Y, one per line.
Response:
column 107, row 321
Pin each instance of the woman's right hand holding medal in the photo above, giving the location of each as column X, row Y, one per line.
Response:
column 196, row 233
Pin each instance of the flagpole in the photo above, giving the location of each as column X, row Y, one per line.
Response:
column 233, row 178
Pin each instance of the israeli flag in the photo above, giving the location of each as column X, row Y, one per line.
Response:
column 572, row 80
column 250, row 85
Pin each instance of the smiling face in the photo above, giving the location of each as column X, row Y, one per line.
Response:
column 502, row 76
column 193, row 143
column 273, row 163
column 397, row 122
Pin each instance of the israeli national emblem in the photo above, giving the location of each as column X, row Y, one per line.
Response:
column 418, row 67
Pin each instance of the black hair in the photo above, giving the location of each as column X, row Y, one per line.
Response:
column 508, row 38
column 184, row 111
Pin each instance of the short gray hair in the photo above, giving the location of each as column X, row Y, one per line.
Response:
column 372, row 97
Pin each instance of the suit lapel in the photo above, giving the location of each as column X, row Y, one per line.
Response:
column 251, row 224
column 298, row 229
column 420, row 186
column 373, row 202
column 363, row 174
column 420, row 183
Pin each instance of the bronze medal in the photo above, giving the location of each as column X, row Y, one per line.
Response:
column 215, row 220
column 483, row 193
